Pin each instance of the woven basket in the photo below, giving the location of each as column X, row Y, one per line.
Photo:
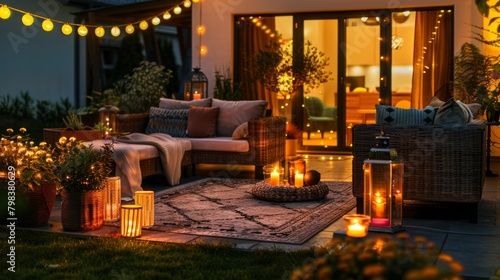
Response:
column 32, row 208
column 289, row 193
column 82, row 211
column 52, row 135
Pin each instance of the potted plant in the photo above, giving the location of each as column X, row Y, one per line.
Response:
column 82, row 171
column 475, row 78
column 74, row 128
column 27, row 175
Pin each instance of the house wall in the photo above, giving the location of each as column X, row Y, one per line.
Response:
column 34, row 60
column 217, row 17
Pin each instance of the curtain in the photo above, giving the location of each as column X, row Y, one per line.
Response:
column 432, row 58
column 252, row 39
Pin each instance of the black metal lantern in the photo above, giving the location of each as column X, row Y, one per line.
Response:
column 195, row 85
column 107, row 116
column 383, row 188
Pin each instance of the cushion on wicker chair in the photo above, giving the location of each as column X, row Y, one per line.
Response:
column 170, row 121
column 233, row 113
column 453, row 113
column 399, row 116
column 473, row 107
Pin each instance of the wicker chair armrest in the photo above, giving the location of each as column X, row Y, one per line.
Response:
column 130, row 123
column 266, row 138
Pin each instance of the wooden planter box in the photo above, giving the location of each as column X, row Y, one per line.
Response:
column 52, row 135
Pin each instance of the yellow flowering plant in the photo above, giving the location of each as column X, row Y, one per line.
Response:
column 380, row 258
column 80, row 167
column 32, row 164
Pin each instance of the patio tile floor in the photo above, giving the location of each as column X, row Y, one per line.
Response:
column 476, row 246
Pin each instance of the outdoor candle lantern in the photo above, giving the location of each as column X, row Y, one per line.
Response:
column 112, row 199
column 107, row 116
column 273, row 175
column 147, row 200
column 356, row 225
column 131, row 220
column 296, row 169
column 383, row 187
column 195, row 85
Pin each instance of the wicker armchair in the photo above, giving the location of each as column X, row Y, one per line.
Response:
column 266, row 140
column 443, row 164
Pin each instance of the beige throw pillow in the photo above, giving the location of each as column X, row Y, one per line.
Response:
column 233, row 113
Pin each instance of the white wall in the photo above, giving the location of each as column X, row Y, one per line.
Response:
column 34, row 60
column 218, row 20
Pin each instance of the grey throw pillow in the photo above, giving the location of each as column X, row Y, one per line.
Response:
column 169, row 121
column 233, row 113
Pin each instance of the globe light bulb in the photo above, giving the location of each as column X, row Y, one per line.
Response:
column 27, row 19
column 177, row 10
column 4, row 12
column 201, row 29
column 187, row 3
column 143, row 25
column 115, row 31
column 99, row 31
column 129, row 29
column 47, row 25
column 66, row 29
column 155, row 21
column 203, row 50
column 167, row 15
column 82, row 30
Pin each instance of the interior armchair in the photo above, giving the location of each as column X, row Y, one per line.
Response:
column 321, row 117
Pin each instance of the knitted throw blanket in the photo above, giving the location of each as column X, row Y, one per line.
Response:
column 171, row 152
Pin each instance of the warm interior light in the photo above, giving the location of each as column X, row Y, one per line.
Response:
column 155, row 21
column 66, row 29
column 82, row 30
column 4, row 12
column 129, row 29
column 99, row 31
column 187, row 3
column 364, row 19
column 406, row 13
column 177, row 10
column 47, row 25
column 196, row 1
column 143, row 25
column 167, row 15
column 115, row 31
column 27, row 19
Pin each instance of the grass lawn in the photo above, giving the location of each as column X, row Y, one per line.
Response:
column 54, row 256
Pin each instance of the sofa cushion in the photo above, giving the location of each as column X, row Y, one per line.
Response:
column 453, row 113
column 241, row 132
column 220, row 144
column 399, row 116
column 170, row 121
column 202, row 121
column 473, row 107
column 167, row 103
column 234, row 113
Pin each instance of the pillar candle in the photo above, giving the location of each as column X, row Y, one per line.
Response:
column 275, row 178
column 299, row 179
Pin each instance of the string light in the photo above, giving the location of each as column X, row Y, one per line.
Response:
column 47, row 25
column 67, row 28
column 27, row 19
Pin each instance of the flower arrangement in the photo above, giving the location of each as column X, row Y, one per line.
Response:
column 80, row 167
column 293, row 131
column 33, row 164
column 382, row 258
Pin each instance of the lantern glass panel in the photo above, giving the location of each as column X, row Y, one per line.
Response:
column 196, row 85
column 107, row 116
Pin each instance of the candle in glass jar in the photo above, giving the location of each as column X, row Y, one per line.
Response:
column 356, row 230
column 275, row 178
column 299, row 179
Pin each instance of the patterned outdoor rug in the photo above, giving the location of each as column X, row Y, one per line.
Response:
column 227, row 208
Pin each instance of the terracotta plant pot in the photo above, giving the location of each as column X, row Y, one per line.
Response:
column 82, row 211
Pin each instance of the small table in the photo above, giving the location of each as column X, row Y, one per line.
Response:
column 490, row 173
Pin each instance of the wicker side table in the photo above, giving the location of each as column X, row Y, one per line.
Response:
column 289, row 193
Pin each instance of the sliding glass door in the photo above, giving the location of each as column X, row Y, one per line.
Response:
column 400, row 58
